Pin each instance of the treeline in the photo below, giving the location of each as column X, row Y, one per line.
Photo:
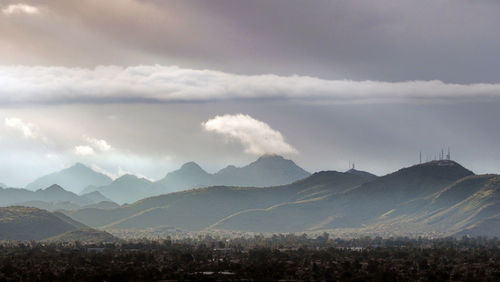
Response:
column 280, row 257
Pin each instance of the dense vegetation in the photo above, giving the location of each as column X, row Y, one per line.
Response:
column 258, row 258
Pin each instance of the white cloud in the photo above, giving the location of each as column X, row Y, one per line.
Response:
column 84, row 150
column 99, row 144
column 27, row 129
column 112, row 84
column 256, row 136
column 20, row 9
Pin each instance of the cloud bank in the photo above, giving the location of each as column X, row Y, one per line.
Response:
column 20, row 9
column 139, row 84
column 256, row 136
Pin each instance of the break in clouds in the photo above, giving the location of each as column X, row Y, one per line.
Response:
column 113, row 84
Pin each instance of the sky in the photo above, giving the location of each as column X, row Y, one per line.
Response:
column 142, row 86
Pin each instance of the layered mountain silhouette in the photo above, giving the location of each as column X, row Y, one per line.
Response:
column 438, row 198
column 434, row 198
column 25, row 223
column 74, row 179
column 268, row 170
column 51, row 198
column 199, row 208
column 125, row 189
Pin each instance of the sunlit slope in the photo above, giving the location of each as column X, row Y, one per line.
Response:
column 354, row 208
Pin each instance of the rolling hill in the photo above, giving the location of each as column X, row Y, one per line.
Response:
column 87, row 235
column 22, row 223
column 25, row 223
column 74, row 179
column 355, row 208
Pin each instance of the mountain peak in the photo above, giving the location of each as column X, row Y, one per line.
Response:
column 79, row 165
column 126, row 177
column 74, row 179
column 191, row 166
column 270, row 160
column 54, row 188
column 361, row 173
column 442, row 163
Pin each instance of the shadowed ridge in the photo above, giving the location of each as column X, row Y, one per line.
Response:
column 23, row 223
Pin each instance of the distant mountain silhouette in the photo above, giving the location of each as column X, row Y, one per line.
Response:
column 268, row 170
column 74, row 179
column 51, row 198
column 125, row 189
column 190, row 175
column 2, row 185
column 95, row 197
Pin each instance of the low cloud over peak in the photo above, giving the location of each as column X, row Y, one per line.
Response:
column 156, row 83
column 256, row 136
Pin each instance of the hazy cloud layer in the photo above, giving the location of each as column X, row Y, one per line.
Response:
column 114, row 84
column 256, row 136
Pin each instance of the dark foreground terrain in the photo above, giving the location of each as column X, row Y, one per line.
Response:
column 284, row 257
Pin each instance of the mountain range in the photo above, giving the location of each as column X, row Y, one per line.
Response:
column 435, row 198
column 51, row 198
column 268, row 170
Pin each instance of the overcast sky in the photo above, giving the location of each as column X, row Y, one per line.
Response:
column 142, row 86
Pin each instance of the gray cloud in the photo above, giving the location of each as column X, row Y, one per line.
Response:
column 113, row 84
column 368, row 81
column 452, row 41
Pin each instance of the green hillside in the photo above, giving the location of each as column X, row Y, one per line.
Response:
column 22, row 223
